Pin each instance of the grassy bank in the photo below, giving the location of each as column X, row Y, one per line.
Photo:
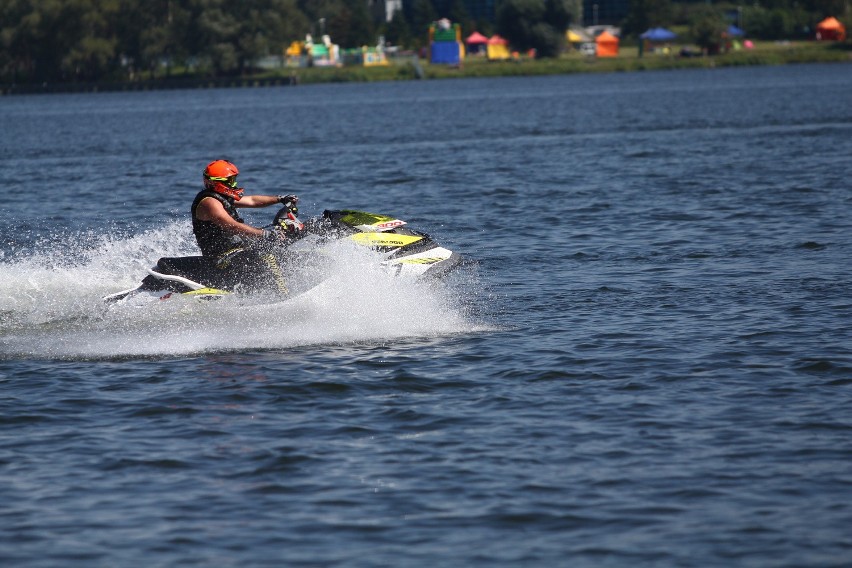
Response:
column 413, row 68
column 627, row 60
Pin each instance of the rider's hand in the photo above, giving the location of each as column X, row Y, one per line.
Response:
column 273, row 236
column 288, row 199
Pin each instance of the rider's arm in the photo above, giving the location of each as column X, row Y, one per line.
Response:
column 211, row 210
column 257, row 201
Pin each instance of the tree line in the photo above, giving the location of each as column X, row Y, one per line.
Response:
column 95, row 40
column 47, row 41
column 706, row 21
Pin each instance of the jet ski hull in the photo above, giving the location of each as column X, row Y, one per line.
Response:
column 407, row 253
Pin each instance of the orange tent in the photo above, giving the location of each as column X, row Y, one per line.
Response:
column 607, row 45
column 831, row 29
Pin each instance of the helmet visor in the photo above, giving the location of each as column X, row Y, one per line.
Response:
column 230, row 181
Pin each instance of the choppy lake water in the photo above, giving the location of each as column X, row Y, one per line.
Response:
column 647, row 362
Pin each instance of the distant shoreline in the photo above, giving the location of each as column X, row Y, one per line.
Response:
column 171, row 83
column 415, row 69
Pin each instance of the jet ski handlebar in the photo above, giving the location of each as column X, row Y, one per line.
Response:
column 287, row 221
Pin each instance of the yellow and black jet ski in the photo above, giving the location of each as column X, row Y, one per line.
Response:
column 403, row 251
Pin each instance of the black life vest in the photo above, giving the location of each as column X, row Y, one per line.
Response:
column 212, row 240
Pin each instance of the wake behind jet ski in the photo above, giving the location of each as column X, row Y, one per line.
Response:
column 402, row 251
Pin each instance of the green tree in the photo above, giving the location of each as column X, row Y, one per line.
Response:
column 485, row 27
column 232, row 36
column 458, row 14
column 217, row 36
column 421, row 14
column 54, row 40
column 51, row 40
column 320, row 14
column 397, row 31
column 87, row 38
column 352, row 25
column 149, row 33
column 824, row 8
column 645, row 14
column 534, row 24
column 27, row 48
column 706, row 27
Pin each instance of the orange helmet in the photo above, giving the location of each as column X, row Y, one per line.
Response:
column 221, row 176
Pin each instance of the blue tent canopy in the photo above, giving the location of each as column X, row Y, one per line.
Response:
column 658, row 34
column 735, row 31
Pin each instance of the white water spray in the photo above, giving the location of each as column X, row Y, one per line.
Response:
column 51, row 305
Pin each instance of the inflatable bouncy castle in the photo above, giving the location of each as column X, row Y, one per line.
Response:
column 445, row 43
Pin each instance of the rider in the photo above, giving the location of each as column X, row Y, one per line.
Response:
column 223, row 237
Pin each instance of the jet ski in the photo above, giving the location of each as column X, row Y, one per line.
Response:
column 402, row 251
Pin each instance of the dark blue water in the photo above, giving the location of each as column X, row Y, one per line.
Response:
column 650, row 362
